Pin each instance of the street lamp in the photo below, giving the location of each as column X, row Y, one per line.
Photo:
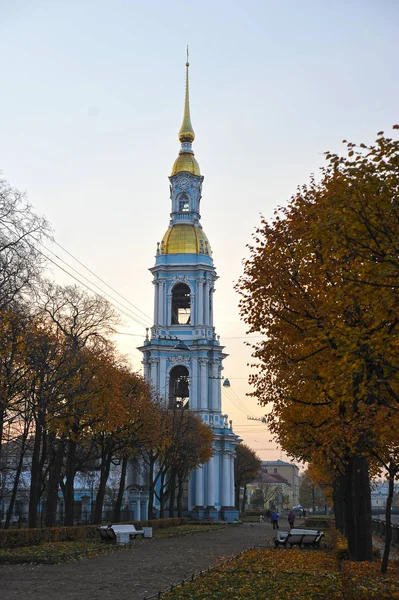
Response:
column 226, row 382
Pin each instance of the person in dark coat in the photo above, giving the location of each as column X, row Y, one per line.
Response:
column 291, row 518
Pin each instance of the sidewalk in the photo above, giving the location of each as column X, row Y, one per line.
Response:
column 145, row 569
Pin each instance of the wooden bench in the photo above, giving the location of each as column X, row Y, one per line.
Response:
column 119, row 534
column 299, row 537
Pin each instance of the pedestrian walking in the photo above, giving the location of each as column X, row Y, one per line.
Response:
column 291, row 518
column 274, row 517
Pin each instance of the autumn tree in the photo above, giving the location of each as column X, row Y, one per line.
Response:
column 80, row 325
column 321, row 286
column 123, row 424
column 310, row 494
column 191, row 447
column 246, row 465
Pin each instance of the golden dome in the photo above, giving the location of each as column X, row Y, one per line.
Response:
column 185, row 239
column 186, row 162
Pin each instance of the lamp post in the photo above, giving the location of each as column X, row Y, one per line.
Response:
column 226, row 382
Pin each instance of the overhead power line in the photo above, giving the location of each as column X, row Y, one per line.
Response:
column 147, row 317
column 135, row 317
column 103, row 294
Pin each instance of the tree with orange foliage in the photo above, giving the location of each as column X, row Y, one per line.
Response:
column 191, row 447
column 321, row 286
column 123, row 410
column 246, row 466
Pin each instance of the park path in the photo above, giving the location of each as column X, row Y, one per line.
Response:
column 145, row 569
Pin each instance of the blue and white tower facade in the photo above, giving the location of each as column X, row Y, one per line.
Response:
column 183, row 357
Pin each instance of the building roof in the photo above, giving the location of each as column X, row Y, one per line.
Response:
column 277, row 463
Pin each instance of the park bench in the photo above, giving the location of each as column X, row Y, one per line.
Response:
column 299, row 537
column 119, row 534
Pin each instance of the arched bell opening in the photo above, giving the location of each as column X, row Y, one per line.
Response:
column 179, row 391
column 181, row 304
column 184, row 203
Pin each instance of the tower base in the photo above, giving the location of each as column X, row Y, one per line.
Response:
column 229, row 514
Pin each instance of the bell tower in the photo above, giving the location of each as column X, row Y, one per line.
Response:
column 182, row 356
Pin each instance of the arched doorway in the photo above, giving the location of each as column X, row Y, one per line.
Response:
column 179, row 392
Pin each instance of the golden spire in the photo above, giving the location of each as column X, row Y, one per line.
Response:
column 186, row 133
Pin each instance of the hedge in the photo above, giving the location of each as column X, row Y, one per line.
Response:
column 16, row 538
column 320, row 522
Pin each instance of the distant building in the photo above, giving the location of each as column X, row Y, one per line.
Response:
column 277, row 491
column 287, row 470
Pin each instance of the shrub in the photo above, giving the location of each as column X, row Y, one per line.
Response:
column 17, row 538
column 320, row 522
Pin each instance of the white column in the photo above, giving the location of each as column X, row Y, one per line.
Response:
column 207, row 292
column 199, row 487
column 163, row 392
column 168, row 317
column 146, row 370
column 161, row 301
column 215, row 386
column 231, row 479
column 154, row 372
column 212, row 289
column 156, row 293
column 218, row 407
column 194, row 385
column 225, row 479
column 200, row 302
column 211, row 482
column 203, row 403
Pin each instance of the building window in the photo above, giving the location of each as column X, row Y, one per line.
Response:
column 179, row 387
column 181, row 304
column 275, row 470
column 184, row 204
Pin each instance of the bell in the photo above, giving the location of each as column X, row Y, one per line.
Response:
column 181, row 388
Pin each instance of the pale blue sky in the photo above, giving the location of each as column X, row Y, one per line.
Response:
column 92, row 100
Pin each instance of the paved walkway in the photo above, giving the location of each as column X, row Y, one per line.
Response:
column 150, row 566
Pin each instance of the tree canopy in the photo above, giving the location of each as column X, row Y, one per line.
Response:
column 321, row 285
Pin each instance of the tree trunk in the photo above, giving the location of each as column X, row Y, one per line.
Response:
column 244, row 500
column 54, row 482
column 339, row 504
column 172, row 494
column 35, row 476
column 16, row 481
column 104, row 474
column 151, row 489
column 237, row 496
column 358, row 507
column 2, row 412
column 69, row 486
column 180, row 496
column 118, row 504
column 388, row 520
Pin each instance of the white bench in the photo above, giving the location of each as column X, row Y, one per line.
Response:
column 299, row 537
column 119, row 534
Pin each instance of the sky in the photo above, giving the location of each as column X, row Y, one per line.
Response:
column 92, row 102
